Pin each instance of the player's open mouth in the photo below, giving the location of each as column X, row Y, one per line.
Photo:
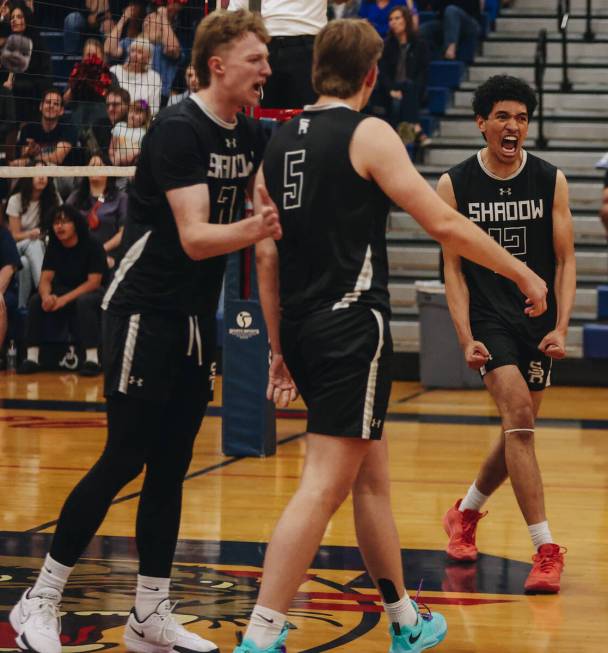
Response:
column 509, row 144
column 257, row 88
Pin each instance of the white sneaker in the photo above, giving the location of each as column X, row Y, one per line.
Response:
column 160, row 633
column 36, row 621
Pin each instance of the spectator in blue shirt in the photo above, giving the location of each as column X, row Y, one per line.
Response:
column 378, row 11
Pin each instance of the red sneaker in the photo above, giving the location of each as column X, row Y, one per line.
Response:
column 461, row 527
column 546, row 570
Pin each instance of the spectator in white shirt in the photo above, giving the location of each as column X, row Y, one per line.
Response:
column 293, row 25
column 136, row 76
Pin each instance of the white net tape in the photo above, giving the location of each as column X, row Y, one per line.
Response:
column 16, row 172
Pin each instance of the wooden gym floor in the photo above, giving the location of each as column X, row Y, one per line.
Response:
column 52, row 429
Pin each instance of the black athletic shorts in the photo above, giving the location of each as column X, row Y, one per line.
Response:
column 507, row 348
column 148, row 356
column 340, row 360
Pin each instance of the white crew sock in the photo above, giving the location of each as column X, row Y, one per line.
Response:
column 473, row 500
column 91, row 355
column 150, row 592
column 265, row 626
column 402, row 612
column 52, row 574
column 32, row 354
column 540, row 534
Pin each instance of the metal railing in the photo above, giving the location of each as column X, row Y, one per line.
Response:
column 563, row 14
column 589, row 33
column 540, row 63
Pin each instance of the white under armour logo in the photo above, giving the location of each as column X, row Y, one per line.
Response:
column 376, row 423
column 136, row 381
column 505, row 191
column 231, row 142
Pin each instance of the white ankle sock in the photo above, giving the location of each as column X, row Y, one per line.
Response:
column 52, row 574
column 473, row 500
column 150, row 592
column 264, row 626
column 32, row 354
column 540, row 534
column 91, row 355
column 402, row 612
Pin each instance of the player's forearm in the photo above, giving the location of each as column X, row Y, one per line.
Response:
column 467, row 240
column 203, row 240
column 565, row 291
column 457, row 295
column 268, row 284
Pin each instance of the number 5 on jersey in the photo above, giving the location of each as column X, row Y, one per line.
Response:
column 293, row 179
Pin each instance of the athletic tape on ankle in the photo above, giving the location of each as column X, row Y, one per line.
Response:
column 516, row 430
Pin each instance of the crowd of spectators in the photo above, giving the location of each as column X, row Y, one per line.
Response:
column 127, row 60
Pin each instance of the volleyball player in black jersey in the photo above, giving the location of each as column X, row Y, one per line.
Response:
column 522, row 202
column 195, row 164
column 324, row 290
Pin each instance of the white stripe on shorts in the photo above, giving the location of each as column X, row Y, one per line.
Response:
column 370, row 393
column 127, row 355
column 128, row 261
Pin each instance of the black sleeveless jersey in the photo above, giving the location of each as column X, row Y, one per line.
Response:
column 333, row 251
column 186, row 145
column 518, row 213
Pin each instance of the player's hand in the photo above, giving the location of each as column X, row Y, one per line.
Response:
column 535, row 290
column 476, row 354
column 281, row 388
column 271, row 226
column 554, row 344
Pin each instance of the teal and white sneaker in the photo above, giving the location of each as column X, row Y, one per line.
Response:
column 429, row 630
column 247, row 646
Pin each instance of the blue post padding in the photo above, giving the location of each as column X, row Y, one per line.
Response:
column 446, row 73
column 438, row 99
column 595, row 341
column 602, row 302
column 248, row 424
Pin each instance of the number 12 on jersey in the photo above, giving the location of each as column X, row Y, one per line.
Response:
column 293, row 179
column 513, row 239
